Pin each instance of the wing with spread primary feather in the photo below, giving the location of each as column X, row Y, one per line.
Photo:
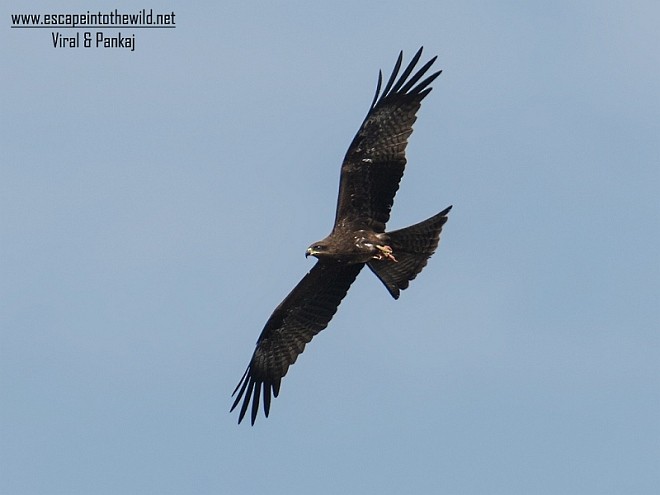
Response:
column 304, row 312
column 375, row 160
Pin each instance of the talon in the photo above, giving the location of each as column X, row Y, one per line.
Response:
column 385, row 253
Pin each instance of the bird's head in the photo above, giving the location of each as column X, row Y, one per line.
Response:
column 318, row 249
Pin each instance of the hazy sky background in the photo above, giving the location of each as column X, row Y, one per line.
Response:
column 155, row 207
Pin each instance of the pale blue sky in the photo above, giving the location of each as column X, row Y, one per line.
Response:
column 155, row 208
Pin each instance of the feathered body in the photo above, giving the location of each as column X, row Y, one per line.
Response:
column 370, row 176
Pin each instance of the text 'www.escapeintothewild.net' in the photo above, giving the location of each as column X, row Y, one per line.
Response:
column 95, row 29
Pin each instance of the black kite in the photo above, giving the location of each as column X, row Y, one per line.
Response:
column 370, row 176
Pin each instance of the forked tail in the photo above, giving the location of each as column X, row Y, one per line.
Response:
column 412, row 247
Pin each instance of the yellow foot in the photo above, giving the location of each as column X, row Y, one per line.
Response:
column 385, row 253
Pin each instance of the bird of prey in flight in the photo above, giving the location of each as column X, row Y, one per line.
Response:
column 370, row 175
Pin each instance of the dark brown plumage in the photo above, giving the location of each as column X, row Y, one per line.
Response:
column 370, row 176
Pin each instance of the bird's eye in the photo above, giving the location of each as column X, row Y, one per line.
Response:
column 317, row 247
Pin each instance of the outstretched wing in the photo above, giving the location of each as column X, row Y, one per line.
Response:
column 375, row 160
column 304, row 312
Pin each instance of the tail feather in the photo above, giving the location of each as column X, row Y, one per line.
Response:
column 412, row 247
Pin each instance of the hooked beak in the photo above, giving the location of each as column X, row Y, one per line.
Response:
column 309, row 252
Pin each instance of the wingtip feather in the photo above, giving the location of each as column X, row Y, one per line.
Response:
column 255, row 403
column 395, row 72
column 404, row 75
column 267, row 391
column 404, row 83
column 246, row 400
